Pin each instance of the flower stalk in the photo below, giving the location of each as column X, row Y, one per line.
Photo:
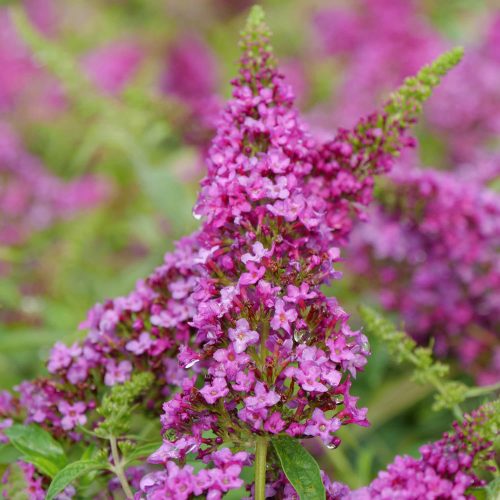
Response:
column 260, row 467
column 118, row 469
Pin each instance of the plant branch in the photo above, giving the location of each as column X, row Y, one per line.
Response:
column 260, row 467
column 118, row 468
column 474, row 392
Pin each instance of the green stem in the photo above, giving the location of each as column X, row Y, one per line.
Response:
column 260, row 468
column 118, row 468
column 480, row 391
column 434, row 381
column 438, row 385
column 263, row 349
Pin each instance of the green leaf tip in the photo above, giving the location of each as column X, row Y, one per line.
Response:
column 117, row 405
column 426, row 370
column 69, row 474
column 300, row 468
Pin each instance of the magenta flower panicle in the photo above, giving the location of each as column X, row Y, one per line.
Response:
column 447, row 468
column 431, row 248
column 278, row 355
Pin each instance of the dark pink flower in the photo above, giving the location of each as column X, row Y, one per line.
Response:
column 73, row 414
column 242, row 336
column 253, row 275
column 218, row 389
column 283, row 317
column 117, row 373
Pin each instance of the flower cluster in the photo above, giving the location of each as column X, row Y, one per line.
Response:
column 445, row 468
column 276, row 353
column 431, row 247
column 135, row 333
column 184, row 482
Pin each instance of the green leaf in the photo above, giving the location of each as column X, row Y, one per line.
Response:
column 44, row 465
column 38, row 447
column 88, row 452
column 300, row 468
column 479, row 493
column 71, row 472
column 8, row 454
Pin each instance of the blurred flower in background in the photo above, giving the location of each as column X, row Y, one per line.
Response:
column 379, row 42
column 426, row 244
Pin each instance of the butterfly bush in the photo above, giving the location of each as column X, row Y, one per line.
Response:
column 431, row 247
column 239, row 303
column 143, row 330
column 446, row 469
column 446, row 297
column 258, row 297
column 278, row 355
